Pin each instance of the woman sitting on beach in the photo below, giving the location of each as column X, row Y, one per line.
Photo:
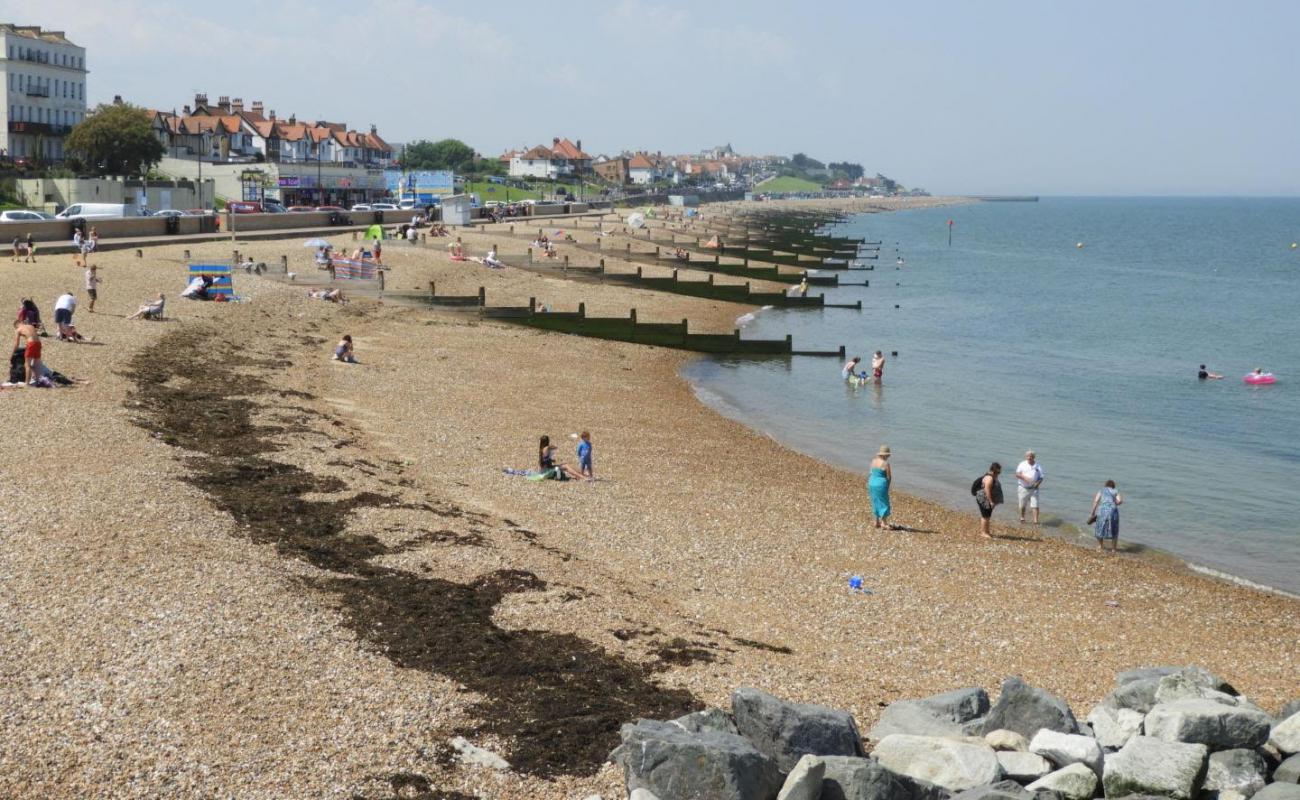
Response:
column 1105, row 516
column 882, row 475
column 152, row 310
column 343, row 350
column 457, row 251
column 547, row 466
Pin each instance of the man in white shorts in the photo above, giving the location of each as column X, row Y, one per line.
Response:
column 1029, row 476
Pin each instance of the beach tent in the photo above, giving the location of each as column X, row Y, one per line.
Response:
column 374, row 232
column 222, row 281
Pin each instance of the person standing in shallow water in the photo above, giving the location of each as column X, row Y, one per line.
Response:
column 878, row 487
column 1105, row 516
column 878, row 367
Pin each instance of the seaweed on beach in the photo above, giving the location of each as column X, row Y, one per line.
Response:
column 557, row 698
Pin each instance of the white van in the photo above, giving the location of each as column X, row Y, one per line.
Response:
column 102, row 211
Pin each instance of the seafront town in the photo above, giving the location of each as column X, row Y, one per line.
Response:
column 279, row 522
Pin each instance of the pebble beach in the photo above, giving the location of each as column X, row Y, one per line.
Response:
column 231, row 567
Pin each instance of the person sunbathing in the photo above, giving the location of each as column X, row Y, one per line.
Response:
column 457, row 251
column 330, row 295
column 152, row 310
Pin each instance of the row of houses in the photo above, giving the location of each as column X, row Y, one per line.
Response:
column 227, row 131
column 566, row 159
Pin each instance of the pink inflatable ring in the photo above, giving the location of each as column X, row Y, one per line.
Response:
column 1259, row 380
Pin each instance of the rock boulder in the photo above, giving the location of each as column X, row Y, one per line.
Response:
column 1027, row 710
column 1113, row 727
column 1278, row 791
column 1208, row 722
column 1022, row 766
column 1073, row 782
column 787, row 731
column 1234, row 775
column 1152, row 766
column 1064, row 749
column 952, row 764
column 804, row 781
column 852, row 778
column 670, row 761
column 1285, row 735
column 1003, row 739
column 1288, row 771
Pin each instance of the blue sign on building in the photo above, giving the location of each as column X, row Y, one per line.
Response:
column 424, row 185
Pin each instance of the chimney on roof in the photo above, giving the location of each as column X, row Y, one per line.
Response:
column 237, row 105
column 293, row 119
column 223, row 103
column 257, row 107
column 200, row 100
column 185, row 111
column 117, row 99
column 555, row 142
column 374, row 130
column 579, row 144
column 272, row 115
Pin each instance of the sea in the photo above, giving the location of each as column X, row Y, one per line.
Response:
column 1073, row 327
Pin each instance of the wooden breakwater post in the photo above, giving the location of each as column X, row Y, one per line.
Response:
column 187, row 255
column 530, row 255
column 234, row 257
column 284, row 263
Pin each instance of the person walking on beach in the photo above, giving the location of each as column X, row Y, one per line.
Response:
column 1105, row 516
column 878, row 487
column 92, row 286
column 988, row 495
column 1029, row 476
column 878, row 367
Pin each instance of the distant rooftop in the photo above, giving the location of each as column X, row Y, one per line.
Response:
column 35, row 32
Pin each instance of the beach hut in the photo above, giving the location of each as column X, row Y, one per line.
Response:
column 456, row 209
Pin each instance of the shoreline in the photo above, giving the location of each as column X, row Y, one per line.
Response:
column 337, row 577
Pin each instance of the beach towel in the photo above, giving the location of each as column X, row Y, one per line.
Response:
column 528, row 474
column 222, row 282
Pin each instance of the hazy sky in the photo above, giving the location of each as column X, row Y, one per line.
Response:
column 959, row 97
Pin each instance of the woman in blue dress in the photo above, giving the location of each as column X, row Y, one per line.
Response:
column 878, row 487
column 1105, row 516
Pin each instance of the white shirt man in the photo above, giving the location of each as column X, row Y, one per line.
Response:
column 1029, row 476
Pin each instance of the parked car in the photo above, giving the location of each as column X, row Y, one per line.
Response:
column 169, row 212
column 244, row 207
column 101, row 211
column 273, row 207
column 361, row 207
column 329, row 208
column 383, row 207
column 24, row 215
column 406, row 204
column 301, row 209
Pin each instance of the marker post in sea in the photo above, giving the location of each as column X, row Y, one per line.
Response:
column 950, row 233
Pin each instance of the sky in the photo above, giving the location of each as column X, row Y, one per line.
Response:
column 993, row 97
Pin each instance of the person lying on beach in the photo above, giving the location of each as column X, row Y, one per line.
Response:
column 152, row 310
column 681, row 255
column 343, row 350
column 546, row 463
column 457, row 251
column 330, row 295
column 198, row 288
column 491, row 260
column 1205, row 375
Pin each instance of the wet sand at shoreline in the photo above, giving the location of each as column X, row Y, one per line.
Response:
column 368, row 583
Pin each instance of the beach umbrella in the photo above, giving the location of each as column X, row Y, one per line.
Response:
column 374, row 232
column 317, row 243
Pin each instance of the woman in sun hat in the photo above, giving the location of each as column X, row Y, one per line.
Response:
column 878, row 486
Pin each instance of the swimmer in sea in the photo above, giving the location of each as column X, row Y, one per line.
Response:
column 850, row 368
column 1206, row 375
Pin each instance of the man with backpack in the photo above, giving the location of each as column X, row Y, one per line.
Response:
column 987, row 491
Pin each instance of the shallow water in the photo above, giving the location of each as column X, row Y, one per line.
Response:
column 1014, row 338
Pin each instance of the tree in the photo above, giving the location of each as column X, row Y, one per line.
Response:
column 890, row 185
column 848, row 170
column 803, row 162
column 451, row 154
column 116, row 139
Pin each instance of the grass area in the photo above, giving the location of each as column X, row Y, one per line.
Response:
column 788, row 184
column 513, row 195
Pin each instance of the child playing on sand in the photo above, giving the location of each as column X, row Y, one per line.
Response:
column 584, row 456
column 343, row 350
column 92, row 286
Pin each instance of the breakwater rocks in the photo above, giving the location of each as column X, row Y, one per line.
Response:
column 1168, row 732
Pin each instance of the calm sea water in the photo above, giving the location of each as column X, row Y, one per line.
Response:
column 1013, row 338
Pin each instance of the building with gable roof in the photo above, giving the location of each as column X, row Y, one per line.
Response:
column 562, row 159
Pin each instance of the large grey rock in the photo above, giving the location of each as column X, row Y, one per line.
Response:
column 1199, row 675
column 675, row 763
column 1021, row 766
column 1234, row 775
column 1138, row 695
column 1113, row 727
column 1143, row 674
column 804, row 781
column 1290, row 708
column 1153, row 766
column 953, row 764
column 1278, row 791
column 1002, row 790
column 852, row 778
column 1026, row 710
column 955, row 713
column 1286, row 735
column 787, row 731
column 1074, row 782
column 1288, row 771
column 1179, row 686
column 1208, row 722
column 710, row 719
column 1064, row 749
column 642, row 794
column 1003, row 739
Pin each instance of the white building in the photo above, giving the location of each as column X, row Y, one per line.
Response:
column 44, row 78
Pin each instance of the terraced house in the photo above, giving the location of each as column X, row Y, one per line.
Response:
column 44, row 78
